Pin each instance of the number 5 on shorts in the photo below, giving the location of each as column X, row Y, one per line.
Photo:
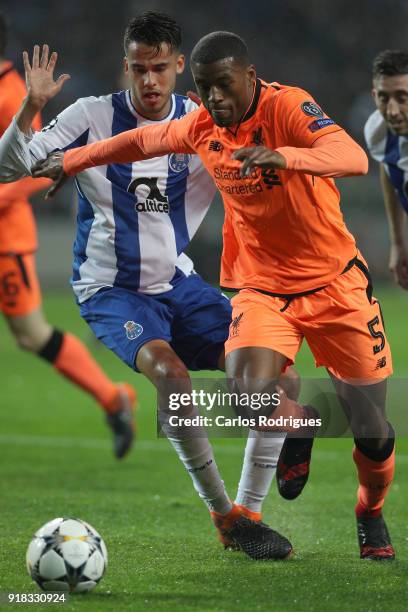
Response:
column 377, row 348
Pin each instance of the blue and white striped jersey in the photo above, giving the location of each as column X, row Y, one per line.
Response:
column 134, row 220
column 392, row 151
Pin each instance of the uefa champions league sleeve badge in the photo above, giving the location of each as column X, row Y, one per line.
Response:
column 312, row 109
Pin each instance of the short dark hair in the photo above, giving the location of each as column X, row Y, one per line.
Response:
column 219, row 45
column 153, row 29
column 3, row 35
column 390, row 63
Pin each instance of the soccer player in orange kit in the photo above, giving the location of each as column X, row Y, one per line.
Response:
column 273, row 154
column 20, row 295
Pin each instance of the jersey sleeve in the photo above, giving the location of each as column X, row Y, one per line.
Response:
column 375, row 134
column 175, row 136
column 301, row 119
column 334, row 155
column 18, row 151
column 69, row 129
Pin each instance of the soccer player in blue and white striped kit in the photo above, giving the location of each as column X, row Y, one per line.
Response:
column 135, row 286
column 386, row 134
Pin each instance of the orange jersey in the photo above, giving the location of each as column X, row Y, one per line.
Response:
column 283, row 231
column 17, row 226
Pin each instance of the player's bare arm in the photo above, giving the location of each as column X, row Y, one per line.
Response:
column 398, row 260
column 259, row 157
column 41, row 86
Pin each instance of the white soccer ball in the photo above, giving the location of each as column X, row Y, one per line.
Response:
column 67, row 554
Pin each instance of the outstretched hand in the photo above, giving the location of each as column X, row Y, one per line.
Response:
column 52, row 167
column 41, row 86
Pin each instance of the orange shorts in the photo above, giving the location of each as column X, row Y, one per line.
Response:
column 342, row 324
column 20, row 292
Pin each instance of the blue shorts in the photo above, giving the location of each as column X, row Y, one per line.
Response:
column 193, row 318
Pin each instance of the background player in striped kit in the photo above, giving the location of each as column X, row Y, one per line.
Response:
column 386, row 134
column 136, row 288
column 20, row 294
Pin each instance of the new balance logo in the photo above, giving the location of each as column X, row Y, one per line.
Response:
column 381, row 363
column 215, row 145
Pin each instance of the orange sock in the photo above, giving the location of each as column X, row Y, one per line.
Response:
column 75, row 362
column 251, row 514
column 375, row 478
column 225, row 521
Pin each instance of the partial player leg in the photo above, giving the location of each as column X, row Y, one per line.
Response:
column 262, row 453
column 157, row 360
column 374, row 456
column 199, row 331
column 21, row 305
column 293, row 468
column 73, row 360
column 348, row 337
column 259, row 323
column 259, row 467
column 255, row 370
column 202, row 317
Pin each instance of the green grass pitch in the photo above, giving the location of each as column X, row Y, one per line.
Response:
column 56, row 460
